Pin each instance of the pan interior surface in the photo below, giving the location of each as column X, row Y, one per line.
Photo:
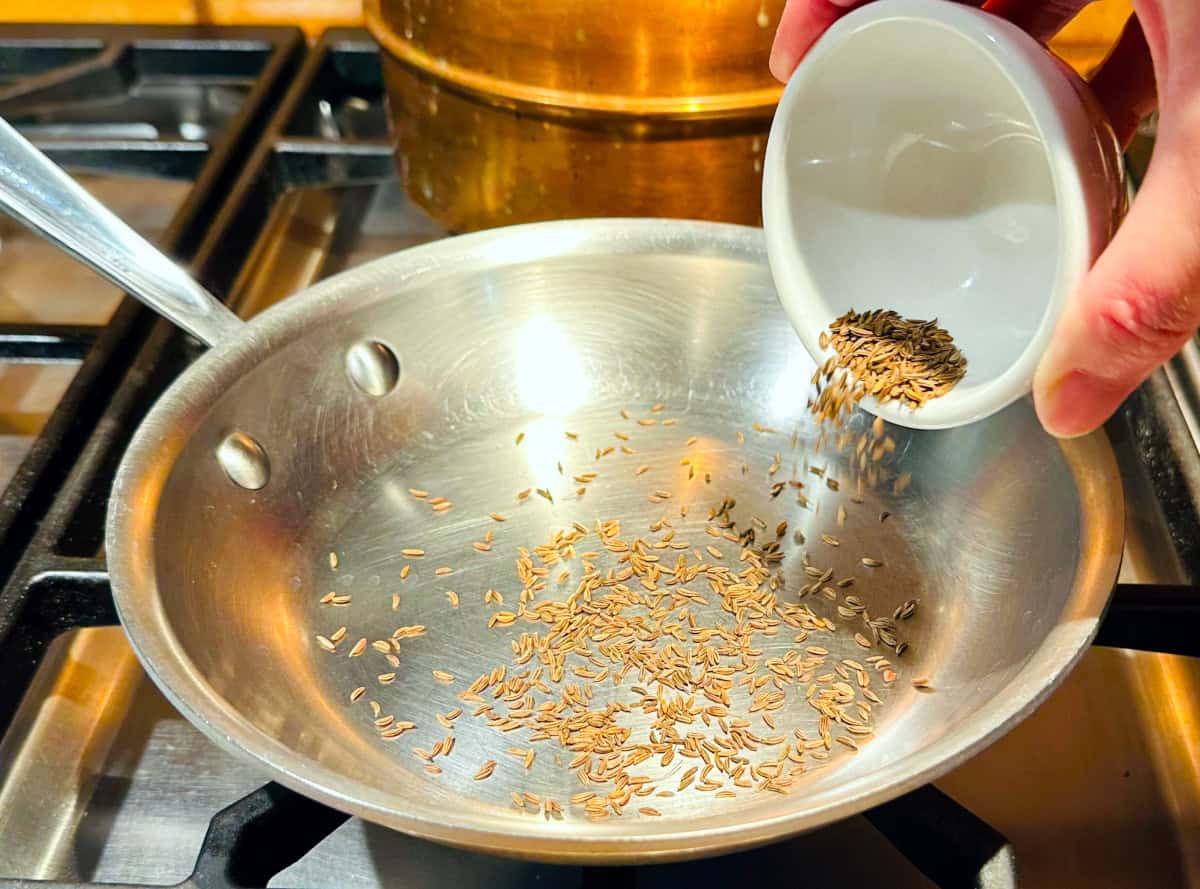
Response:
column 1007, row 540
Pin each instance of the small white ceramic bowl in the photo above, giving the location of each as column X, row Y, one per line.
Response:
column 930, row 158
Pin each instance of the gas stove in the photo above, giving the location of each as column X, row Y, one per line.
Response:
column 266, row 167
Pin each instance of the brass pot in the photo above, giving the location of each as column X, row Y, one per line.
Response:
column 514, row 112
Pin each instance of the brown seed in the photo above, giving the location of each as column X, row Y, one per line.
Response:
column 520, row 437
column 442, row 676
column 420, row 495
column 412, row 553
column 496, row 517
column 485, row 771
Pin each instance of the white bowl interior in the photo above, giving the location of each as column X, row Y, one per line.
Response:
column 918, row 180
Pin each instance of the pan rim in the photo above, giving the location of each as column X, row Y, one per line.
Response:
column 129, row 536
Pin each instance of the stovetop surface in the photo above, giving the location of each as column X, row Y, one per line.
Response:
column 101, row 780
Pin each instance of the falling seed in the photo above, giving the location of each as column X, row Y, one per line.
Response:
column 333, row 560
column 640, row 470
column 405, row 571
column 520, row 437
column 573, row 436
column 420, row 495
column 522, row 495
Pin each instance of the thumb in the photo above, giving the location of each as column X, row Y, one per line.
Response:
column 1138, row 305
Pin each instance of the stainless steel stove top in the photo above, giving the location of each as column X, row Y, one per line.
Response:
column 102, row 781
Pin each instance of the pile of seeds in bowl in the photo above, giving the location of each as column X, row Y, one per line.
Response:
column 886, row 356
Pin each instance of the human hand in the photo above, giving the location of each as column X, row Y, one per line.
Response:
column 1141, row 300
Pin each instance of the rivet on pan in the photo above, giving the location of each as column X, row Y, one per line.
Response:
column 373, row 367
column 244, row 461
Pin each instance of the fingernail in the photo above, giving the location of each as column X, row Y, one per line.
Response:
column 1077, row 404
column 782, row 62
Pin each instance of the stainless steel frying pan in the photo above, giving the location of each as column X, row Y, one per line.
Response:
column 300, row 434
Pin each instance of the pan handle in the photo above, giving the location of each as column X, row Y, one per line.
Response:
column 38, row 193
